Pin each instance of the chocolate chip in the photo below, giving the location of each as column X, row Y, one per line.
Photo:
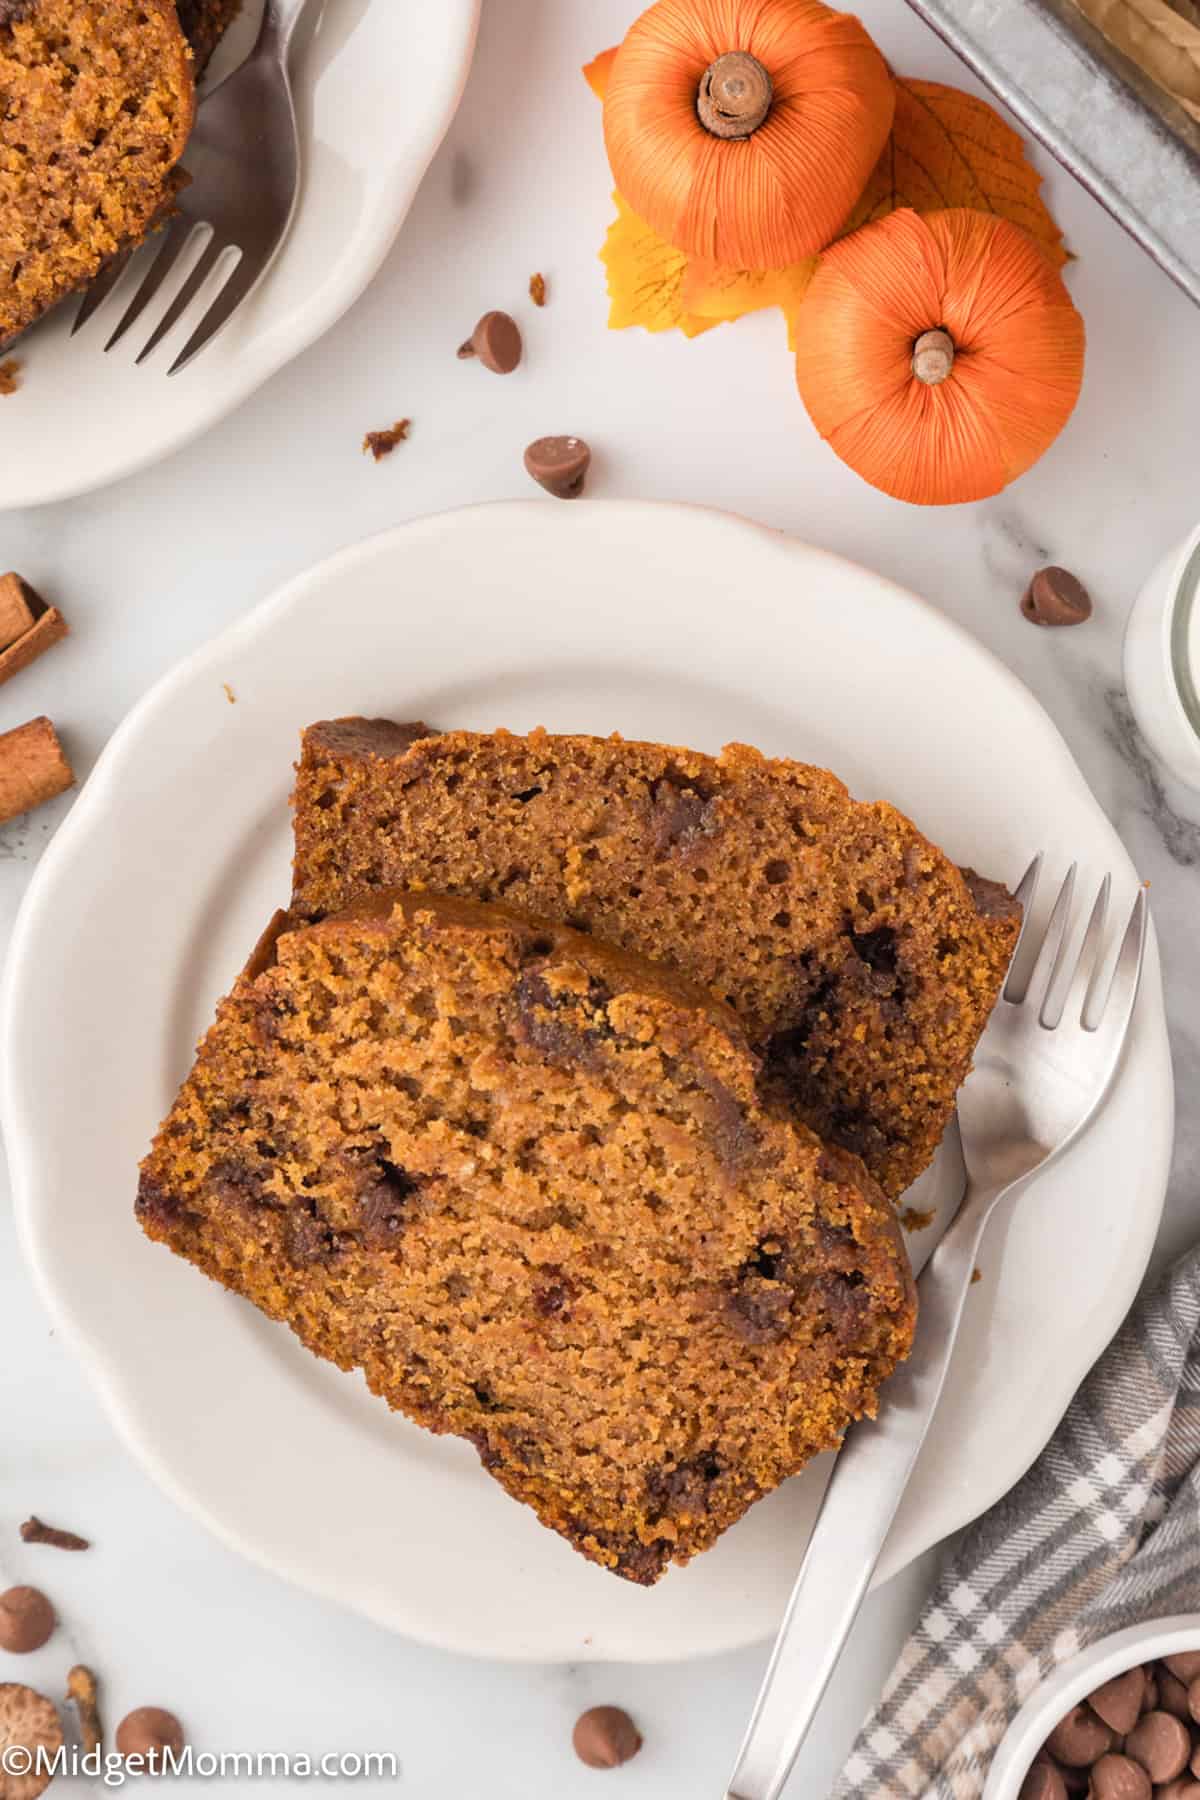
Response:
column 1043, row 1782
column 564, row 1026
column 1172, row 1694
column 147, row 1731
column 1184, row 1665
column 1079, row 1739
column 308, row 1242
column 682, row 813
column 684, row 1490
column 760, row 1311
column 1056, row 597
column 1117, row 1777
column 559, row 464
column 26, row 1620
column 381, row 1204
column 552, row 1298
column 496, row 341
column 1161, row 1744
column 1119, row 1701
column 605, row 1737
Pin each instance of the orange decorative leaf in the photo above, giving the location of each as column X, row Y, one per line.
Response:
column 949, row 149
column 596, row 72
column 714, row 292
column 645, row 278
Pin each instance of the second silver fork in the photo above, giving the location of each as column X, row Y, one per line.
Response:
column 1043, row 1067
column 243, row 160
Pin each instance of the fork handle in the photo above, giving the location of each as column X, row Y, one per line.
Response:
column 280, row 19
column 856, row 1514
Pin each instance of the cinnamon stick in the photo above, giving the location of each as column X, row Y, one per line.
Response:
column 20, row 607
column 33, row 768
column 48, row 629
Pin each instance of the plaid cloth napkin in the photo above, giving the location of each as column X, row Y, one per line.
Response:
column 1103, row 1532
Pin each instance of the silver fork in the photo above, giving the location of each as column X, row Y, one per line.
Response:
column 244, row 161
column 1043, row 1066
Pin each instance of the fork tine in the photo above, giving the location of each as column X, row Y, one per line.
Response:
column 1087, row 963
column 1115, row 1009
column 1048, row 952
column 102, row 287
column 239, row 285
column 211, row 256
column 176, row 236
column 1048, row 960
column 1023, row 894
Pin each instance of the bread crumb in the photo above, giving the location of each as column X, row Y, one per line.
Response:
column 382, row 443
column 9, row 373
column 913, row 1219
column 229, row 693
column 976, row 1275
column 537, row 289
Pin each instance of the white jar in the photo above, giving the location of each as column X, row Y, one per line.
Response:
column 1162, row 661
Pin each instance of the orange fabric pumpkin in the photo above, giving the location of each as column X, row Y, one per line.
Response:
column 939, row 355
column 743, row 131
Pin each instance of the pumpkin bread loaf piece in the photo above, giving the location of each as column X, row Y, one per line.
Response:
column 863, row 963
column 96, row 103
column 205, row 23
column 526, row 1184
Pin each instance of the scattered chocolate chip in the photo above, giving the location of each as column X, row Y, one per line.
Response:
column 560, row 465
column 496, row 341
column 26, row 1620
column 1161, row 1744
column 148, row 1731
column 605, row 1737
column 1043, row 1782
column 1056, row 597
column 1119, row 1701
column 1172, row 1693
column 81, row 1688
column 381, row 443
column 34, row 1531
column 1079, row 1739
column 28, row 1721
column 1117, row 1777
column 537, row 289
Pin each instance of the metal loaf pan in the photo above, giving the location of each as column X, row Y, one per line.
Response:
column 1126, row 141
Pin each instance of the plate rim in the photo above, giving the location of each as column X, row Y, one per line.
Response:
column 111, row 1381
column 339, row 299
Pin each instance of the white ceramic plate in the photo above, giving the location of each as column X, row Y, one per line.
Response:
column 377, row 84
column 658, row 621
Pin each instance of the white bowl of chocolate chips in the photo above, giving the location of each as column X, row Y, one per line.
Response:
column 1120, row 1721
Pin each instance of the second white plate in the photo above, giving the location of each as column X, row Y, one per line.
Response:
column 661, row 622
column 376, row 87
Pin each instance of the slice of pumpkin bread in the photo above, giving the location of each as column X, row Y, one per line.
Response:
column 96, row 102
column 205, row 23
column 863, row 962
column 525, row 1182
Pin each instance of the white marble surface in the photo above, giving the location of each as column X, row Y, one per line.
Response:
column 151, row 568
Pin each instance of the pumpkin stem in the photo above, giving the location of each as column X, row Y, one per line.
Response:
column 933, row 356
column 735, row 95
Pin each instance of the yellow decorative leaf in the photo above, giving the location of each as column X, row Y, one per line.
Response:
column 717, row 293
column 645, row 278
column 949, row 149
column 596, row 72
